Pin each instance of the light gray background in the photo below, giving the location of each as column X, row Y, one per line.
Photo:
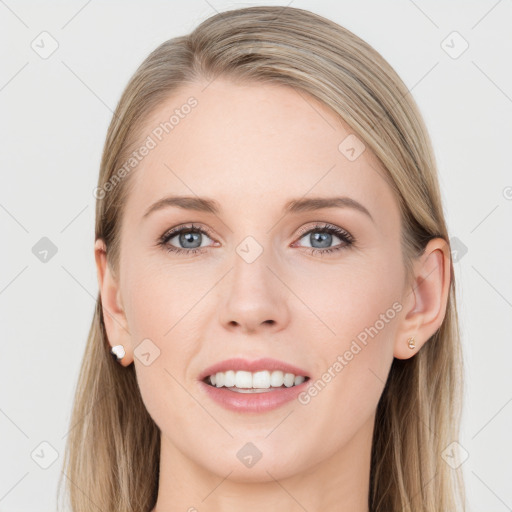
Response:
column 54, row 116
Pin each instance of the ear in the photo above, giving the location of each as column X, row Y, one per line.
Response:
column 425, row 298
column 114, row 316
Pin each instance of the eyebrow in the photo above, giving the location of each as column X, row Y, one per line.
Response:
column 203, row 204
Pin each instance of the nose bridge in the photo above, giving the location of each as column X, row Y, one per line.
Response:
column 250, row 265
column 254, row 296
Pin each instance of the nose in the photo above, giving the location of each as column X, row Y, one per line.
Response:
column 254, row 299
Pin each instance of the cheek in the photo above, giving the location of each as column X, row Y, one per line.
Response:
column 362, row 308
column 346, row 300
column 158, row 297
column 159, row 317
column 156, row 310
column 369, row 306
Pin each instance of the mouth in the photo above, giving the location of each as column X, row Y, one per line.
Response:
column 253, row 386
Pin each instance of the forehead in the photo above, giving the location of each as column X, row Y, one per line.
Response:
column 244, row 143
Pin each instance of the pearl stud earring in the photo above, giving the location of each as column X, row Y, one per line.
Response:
column 118, row 352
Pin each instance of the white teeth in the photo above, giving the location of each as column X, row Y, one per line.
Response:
column 243, row 379
column 288, row 379
column 261, row 380
column 257, row 380
column 229, row 379
column 277, row 379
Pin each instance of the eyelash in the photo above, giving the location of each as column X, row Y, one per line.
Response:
column 345, row 236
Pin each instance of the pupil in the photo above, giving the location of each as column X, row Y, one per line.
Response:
column 324, row 239
column 189, row 238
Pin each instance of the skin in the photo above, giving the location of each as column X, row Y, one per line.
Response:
column 252, row 148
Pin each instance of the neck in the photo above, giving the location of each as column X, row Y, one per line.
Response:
column 339, row 483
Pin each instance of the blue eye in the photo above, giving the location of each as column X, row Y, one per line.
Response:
column 188, row 236
column 325, row 238
column 192, row 237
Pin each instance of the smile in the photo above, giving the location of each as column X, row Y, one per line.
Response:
column 253, row 382
column 253, row 386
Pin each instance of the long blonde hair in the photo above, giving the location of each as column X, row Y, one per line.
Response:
column 112, row 451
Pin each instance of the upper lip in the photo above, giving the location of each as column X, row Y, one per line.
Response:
column 238, row 363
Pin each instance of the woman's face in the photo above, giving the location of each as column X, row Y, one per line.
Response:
column 256, row 280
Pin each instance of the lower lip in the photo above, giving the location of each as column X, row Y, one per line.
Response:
column 252, row 402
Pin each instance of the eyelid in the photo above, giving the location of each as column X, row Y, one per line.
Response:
column 184, row 227
column 328, row 227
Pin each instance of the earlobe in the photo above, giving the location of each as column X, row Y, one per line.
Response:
column 113, row 313
column 427, row 299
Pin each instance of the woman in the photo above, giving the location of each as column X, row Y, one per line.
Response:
column 275, row 284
